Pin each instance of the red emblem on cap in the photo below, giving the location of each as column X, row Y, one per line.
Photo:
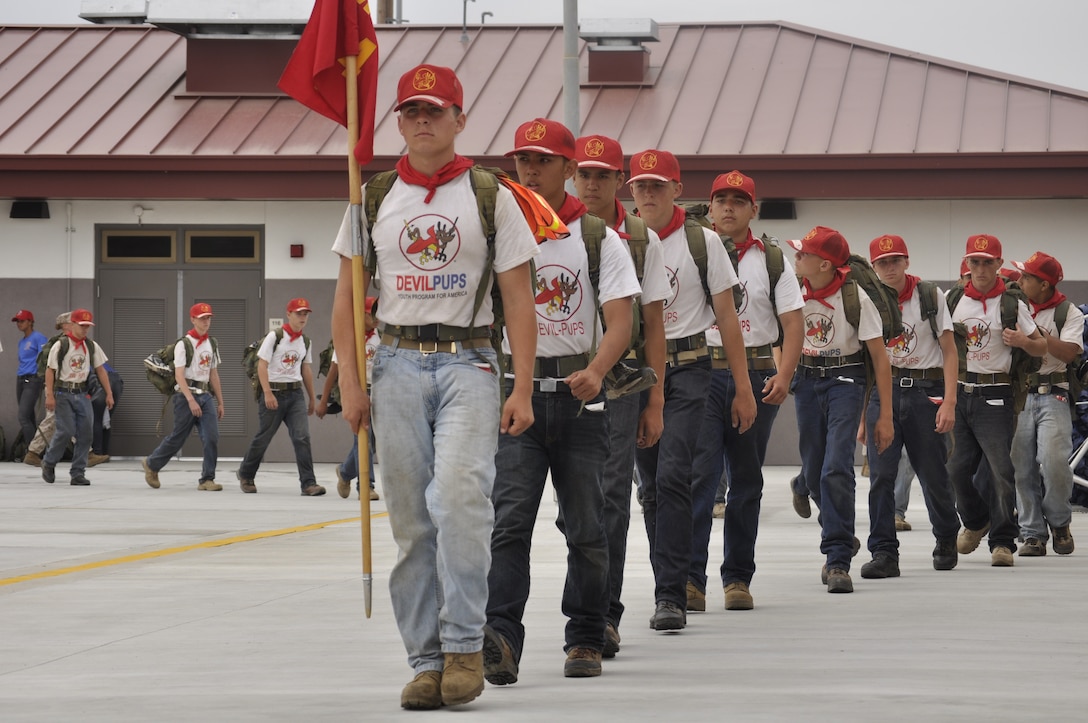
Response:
column 810, row 234
column 886, row 244
column 648, row 162
column 594, row 148
column 535, row 132
column 1033, row 257
column 424, row 79
column 735, row 179
column 981, row 243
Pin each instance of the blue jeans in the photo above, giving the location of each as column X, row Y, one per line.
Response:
column 27, row 390
column 74, row 419
column 744, row 455
column 1043, row 443
column 914, row 419
column 573, row 447
column 983, row 432
column 349, row 470
column 904, row 477
column 616, row 483
column 666, row 472
column 828, row 413
column 207, row 426
column 291, row 411
column 436, row 419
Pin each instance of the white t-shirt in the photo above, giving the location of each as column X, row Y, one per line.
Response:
column 916, row 348
column 987, row 353
column 373, row 341
column 655, row 280
column 74, row 367
column 1071, row 332
column 758, row 323
column 565, row 308
column 687, row 312
column 204, row 359
column 828, row 333
column 431, row 255
column 285, row 359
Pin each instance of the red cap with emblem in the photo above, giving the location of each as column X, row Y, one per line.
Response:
column 599, row 152
column 887, row 245
column 542, row 135
column 432, row 84
column 654, row 165
column 201, row 310
column 827, row 243
column 1043, row 266
column 983, row 246
column 734, row 181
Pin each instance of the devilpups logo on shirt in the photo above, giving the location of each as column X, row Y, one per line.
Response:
column 290, row 359
column 431, row 243
column 978, row 338
column 559, row 295
column 902, row 346
column 204, row 361
column 819, row 330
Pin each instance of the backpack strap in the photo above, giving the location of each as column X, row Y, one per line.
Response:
column 593, row 231
column 851, row 304
column 638, row 240
column 928, row 294
column 485, row 186
column 377, row 188
column 693, row 232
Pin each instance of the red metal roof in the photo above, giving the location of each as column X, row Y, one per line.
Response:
column 103, row 111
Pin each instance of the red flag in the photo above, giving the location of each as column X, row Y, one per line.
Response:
column 315, row 74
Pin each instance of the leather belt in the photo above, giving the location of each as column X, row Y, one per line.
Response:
column 918, row 377
column 432, row 346
column 695, row 342
column 827, row 372
column 755, row 363
column 284, row 386
column 550, row 386
column 435, row 332
column 70, row 388
column 681, row 358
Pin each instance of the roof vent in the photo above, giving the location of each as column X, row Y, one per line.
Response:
column 616, row 54
column 114, row 12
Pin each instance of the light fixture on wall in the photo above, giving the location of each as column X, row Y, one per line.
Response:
column 139, row 211
column 777, row 209
column 29, row 208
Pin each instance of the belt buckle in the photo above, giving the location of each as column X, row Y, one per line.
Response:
column 969, row 388
column 1043, row 389
column 906, row 382
column 547, row 385
column 432, row 350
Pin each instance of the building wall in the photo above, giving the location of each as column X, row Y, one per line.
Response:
column 49, row 264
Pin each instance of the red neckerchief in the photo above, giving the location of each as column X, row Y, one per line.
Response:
column 1050, row 303
column 821, row 294
column 571, row 210
column 677, row 221
column 621, row 216
column 199, row 338
column 444, row 175
column 972, row 293
column 749, row 242
column 291, row 333
column 77, row 344
column 908, row 289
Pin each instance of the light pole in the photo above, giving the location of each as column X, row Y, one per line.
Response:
column 464, row 21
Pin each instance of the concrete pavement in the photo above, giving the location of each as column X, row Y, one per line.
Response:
column 123, row 603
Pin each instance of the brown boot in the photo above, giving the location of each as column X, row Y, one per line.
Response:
column 463, row 678
column 424, row 692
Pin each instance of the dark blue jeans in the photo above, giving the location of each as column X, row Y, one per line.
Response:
column 207, row 426
column 573, row 447
column 74, row 419
column 744, row 455
column 349, row 470
column 914, row 418
column 27, row 390
column 828, row 414
column 616, row 484
column 666, row 472
column 984, row 429
column 292, row 412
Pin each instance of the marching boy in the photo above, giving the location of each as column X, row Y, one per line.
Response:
column 829, row 391
column 70, row 361
column 197, row 377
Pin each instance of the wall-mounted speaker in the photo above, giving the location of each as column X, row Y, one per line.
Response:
column 29, row 208
column 777, row 209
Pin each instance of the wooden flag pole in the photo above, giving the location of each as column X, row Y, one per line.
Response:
column 358, row 306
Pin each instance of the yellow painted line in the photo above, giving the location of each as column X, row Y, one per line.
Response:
column 175, row 550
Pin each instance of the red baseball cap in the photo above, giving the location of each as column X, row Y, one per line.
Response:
column 434, row 84
column 82, row 317
column 734, row 181
column 23, row 315
column 599, row 152
column 827, row 243
column 1043, row 266
column 541, row 135
column 1009, row 274
column 887, row 245
column 298, row 305
column 654, row 165
column 983, row 246
column 199, row 311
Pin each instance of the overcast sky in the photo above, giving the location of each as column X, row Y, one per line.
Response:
column 1041, row 40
